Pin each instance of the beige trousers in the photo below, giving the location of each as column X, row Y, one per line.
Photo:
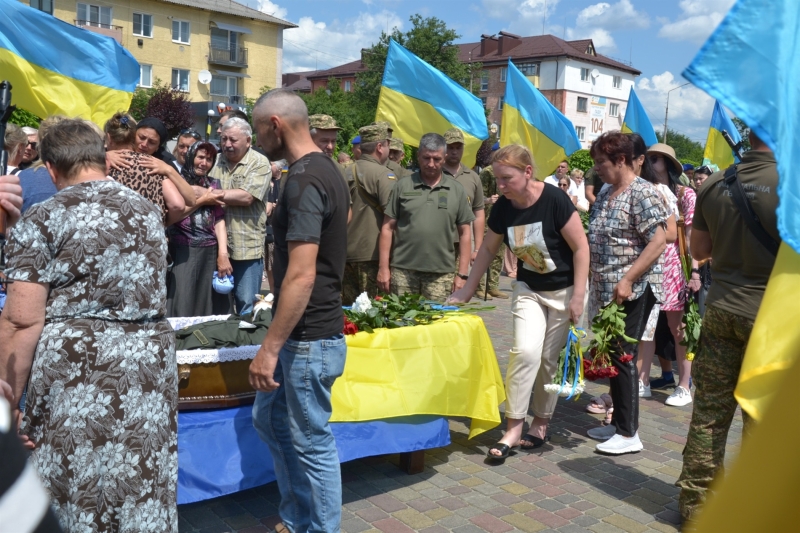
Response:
column 540, row 327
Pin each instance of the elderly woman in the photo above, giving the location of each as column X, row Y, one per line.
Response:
column 540, row 225
column 150, row 177
column 14, row 144
column 199, row 243
column 626, row 239
column 84, row 326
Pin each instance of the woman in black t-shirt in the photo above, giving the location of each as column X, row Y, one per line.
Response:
column 541, row 226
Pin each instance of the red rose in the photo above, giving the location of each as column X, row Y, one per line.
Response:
column 626, row 358
column 378, row 298
column 349, row 327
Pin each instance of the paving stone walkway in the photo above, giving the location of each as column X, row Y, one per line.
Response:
column 565, row 486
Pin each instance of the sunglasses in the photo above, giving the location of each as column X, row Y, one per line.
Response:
column 33, row 144
column 191, row 132
column 563, row 185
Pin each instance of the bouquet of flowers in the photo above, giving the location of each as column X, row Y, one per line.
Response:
column 568, row 381
column 608, row 327
column 393, row 311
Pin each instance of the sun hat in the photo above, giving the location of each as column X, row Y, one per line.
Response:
column 669, row 153
column 222, row 285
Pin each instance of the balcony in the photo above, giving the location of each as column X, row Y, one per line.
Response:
column 115, row 32
column 235, row 99
column 236, row 57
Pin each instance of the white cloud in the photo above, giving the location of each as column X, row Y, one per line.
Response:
column 265, row 6
column 689, row 108
column 698, row 19
column 602, row 39
column 610, row 17
column 317, row 45
column 524, row 18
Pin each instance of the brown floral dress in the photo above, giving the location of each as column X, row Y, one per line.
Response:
column 102, row 394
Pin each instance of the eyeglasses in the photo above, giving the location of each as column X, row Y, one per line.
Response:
column 191, row 132
column 32, row 144
column 563, row 185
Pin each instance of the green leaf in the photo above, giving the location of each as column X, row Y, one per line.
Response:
column 411, row 314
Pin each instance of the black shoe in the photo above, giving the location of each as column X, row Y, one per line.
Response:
column 662, row 383
column 529, row 442
column 504, row 450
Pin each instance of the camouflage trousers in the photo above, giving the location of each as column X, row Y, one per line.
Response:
column 494, row 270
column 715, row 372
column 359, row 277
column 436, row 287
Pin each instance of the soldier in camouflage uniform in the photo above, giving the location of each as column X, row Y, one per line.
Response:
column 324, row 131
column 490, row 196
column 396, row 154
column 740, row 268
column 370, row 185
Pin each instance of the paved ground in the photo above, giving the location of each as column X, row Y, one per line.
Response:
column 564, row 487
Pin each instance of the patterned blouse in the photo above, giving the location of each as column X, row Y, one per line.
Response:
column 619, row 230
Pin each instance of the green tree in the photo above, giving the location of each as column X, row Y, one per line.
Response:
column 686, row 150
column 23, row 118
column 744, row 131
column 141, row 97
column 342, row 107
column 580, row 159
column 429, row 39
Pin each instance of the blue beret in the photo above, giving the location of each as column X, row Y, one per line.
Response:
column 688, row 166
column 496, row 146
column 357, row 140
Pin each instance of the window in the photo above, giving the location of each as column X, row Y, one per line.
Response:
column 43, row 5
column 529, row 69
column 99, row 16
column 584, row 74
column 503, row 73
column 145, row 75
column 143, row 25
column 483, row 100
column 617, row 82
column 180, row 80
column 348, row 86
column 180, row 31
column 613, row 110
column 484, row 81
column 583, row 104
column 224, row 86
column 502, row 101
column 581, row 132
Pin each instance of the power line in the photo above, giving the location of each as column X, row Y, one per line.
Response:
column 315, row 50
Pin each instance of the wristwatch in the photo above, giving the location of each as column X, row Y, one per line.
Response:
column 462, row 276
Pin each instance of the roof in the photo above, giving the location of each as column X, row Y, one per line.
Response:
column 229, row 7
column 352, row 68
column 541, row 47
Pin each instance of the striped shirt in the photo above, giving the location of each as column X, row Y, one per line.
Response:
column 247, row 225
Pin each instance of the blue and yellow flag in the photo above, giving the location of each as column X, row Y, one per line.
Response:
column 636, row 120
column 750, row 65
column 717, row 150
column 531, row 120
column 57, row 68
column 416, row 99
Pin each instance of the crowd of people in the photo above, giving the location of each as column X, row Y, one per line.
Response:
column 116, row 234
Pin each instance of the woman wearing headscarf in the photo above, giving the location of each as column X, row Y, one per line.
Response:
column 199, row 243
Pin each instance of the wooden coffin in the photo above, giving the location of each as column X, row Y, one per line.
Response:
column 214, row 385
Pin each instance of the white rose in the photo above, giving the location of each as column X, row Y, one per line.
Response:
column 362, row 303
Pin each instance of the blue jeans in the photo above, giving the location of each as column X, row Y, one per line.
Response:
column 293, row 421
column 246, row 283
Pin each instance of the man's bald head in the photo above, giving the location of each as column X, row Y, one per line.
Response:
column 284, row 104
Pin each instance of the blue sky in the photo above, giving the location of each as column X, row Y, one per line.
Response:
column 660, row 38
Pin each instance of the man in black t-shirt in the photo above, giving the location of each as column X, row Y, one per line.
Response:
column 304, row 350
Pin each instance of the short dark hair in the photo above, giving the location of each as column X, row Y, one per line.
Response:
column 72, row 146
column 616, row 146
column 370, row 147
column 234, row 113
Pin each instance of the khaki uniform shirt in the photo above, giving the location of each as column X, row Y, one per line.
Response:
column 741, row 265
column 398, row 171
column 427, row 223
column 489, row 184
column 472, row 186
column 368, row 203
column 246, row 225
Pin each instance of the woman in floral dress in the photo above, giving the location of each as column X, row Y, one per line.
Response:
column 84, row 327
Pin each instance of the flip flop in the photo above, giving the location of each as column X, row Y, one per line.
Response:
column 504, row 450
column 529, row 442
column 600, row 404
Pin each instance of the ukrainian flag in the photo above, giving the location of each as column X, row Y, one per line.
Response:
column 55, row 67
column 750, row 65
column 636, row 120
column 717, row 149
column 417, row 99
column 531, row 120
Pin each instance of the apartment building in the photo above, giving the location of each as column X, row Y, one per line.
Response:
column 177, row 40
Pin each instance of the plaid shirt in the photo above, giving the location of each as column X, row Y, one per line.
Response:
column 619, row 231
column 246, row 225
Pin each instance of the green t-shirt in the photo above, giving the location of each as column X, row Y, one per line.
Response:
column 364, row 229
column 740, row 265
column 427, row 223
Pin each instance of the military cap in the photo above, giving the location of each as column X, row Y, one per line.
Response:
column 383, row 123
column 396, row 143
column 322, row 122
column 453, row 135
column 374, row 133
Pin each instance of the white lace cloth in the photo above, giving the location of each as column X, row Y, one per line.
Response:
column 221, row 355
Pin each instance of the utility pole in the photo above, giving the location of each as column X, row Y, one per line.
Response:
column 666, row 112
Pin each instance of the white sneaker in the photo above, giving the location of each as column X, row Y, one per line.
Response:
column 644, row 390
column 603, row 432
column 679, row 398
column 618, row 445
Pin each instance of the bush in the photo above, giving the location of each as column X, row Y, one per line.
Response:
column 23, row 118
column 173, row 108
column 580, row 159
